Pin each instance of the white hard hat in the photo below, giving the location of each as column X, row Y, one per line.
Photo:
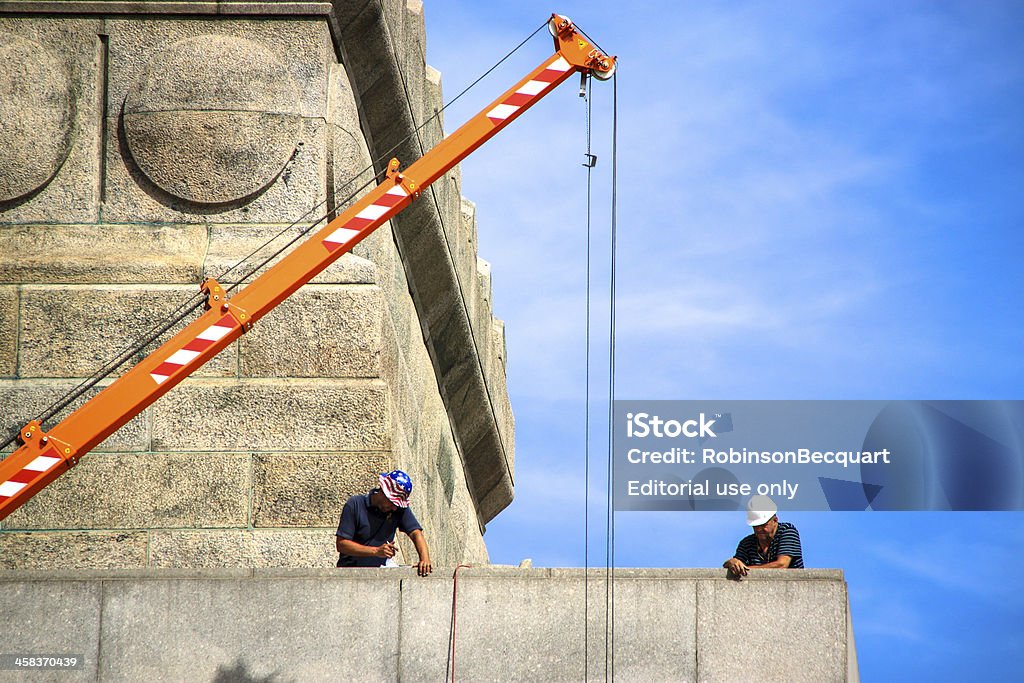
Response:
column 760, row 509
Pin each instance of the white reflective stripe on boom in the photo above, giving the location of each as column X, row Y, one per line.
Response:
column 373, row 212
column 42, row 463
column 341, row 235
column 532, row 87
column 182, row 357
column 502, row 111
column 214, row 333
column 9, row 488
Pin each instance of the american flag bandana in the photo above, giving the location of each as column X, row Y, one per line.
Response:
column 396, row 487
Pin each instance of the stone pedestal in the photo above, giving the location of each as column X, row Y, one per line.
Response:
column 147, row 145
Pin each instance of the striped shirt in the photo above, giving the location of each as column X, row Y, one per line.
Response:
column 785, row 542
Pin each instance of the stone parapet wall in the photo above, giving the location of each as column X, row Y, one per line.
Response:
column 155, row 144
column 389, row 625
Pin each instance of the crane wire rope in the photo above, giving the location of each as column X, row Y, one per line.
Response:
column 610, row 551
column 609, row 557
column 609, row 635
column 195, row 301
column 586, row 411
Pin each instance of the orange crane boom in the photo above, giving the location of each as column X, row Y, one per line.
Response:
column 45, row 455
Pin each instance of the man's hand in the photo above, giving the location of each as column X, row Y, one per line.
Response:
column 386, row 551
column 423, row 567
column 736, row 567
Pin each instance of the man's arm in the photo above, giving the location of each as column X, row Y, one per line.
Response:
column 736, row 566
column 353, row 549
column 781, row 562
column 423, row 567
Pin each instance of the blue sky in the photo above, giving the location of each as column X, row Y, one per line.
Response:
column 816, row 201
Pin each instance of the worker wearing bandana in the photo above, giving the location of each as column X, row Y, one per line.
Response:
column 366, row 531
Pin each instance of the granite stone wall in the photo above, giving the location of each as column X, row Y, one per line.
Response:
column 147, row 145
column 507, row 624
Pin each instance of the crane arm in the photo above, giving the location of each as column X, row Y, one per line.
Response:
column 45, row 455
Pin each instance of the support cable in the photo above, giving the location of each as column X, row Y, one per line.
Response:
column 610, row 548
column 588, row 93
column 450, row 673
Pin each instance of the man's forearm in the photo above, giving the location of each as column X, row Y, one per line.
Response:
column 424, row 566
column 419, row 541
column 782, row 562
column 353, row 549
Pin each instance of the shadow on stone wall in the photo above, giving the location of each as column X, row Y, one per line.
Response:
column 239, row 673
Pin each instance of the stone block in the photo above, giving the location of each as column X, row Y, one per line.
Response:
column 433, row 102
column 42, row 617
column 309, row 490
column 498, row 389
column 381, row 247
column 412, row 55
column 446, row 463
column 72, row 550
column 299, row 628
column 211, row 157
column 49, row 165
column 150, row 176
column 349, row 164
column 72, row 330
column 363, row 37
column 806, row 620
column 300, row 45
column 342, row 110
column 239, row 548
column 651, row 643
column 23, row 400
column 655, row 628
column 481, row 315
column 349, row 168
column 373, row 35
column 272, row 415
column 320, row 331
column 407, row 369
column 8, row 331
column 474, row 550
column 464, row 244
column 235, row 250
column 82, row 254
column 133, row 197
column 143, row 491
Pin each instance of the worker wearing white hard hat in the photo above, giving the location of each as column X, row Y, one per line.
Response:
column 773, row 545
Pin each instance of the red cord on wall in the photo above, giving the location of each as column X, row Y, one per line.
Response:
column 455, row 591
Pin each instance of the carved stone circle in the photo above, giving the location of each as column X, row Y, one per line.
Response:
column 213, row 119
column 36, row 116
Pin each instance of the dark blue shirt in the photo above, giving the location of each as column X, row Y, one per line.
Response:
column 366, row 525
column 785, row 542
